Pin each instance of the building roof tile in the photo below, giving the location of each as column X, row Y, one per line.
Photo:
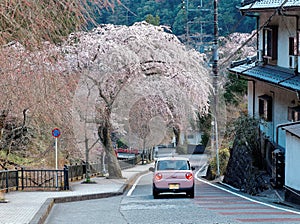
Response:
column 268, row 4
column 272, row 74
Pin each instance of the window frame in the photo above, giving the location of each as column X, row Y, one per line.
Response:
column 292, row 46
column 294, row 113
column 297, row 42
column 265, row 107
column 270, row 42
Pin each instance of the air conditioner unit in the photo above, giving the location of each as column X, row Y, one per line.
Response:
column 293, row 61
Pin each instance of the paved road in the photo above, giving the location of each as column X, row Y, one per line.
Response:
column 242, row 209
column 211, row 205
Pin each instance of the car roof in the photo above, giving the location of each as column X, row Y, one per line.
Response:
column 172, row 158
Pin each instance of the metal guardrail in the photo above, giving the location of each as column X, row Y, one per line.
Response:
column 32, row 178
column 9, row 179
column 129, row 162
column 76, row 172
column 46, row 179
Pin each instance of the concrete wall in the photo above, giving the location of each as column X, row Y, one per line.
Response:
column 282, row 99
column 286, row 28
column 191, row 137
column 292, row 164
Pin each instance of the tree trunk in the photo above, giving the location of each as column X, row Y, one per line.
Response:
column 176, row 131
column 114, row 169
column 87, row 162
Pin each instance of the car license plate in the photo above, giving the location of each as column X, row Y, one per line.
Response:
column 173, row 186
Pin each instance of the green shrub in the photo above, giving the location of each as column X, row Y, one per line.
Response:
column 223, row 160
column 205, row 138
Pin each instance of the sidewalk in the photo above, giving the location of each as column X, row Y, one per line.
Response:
column 34, row 207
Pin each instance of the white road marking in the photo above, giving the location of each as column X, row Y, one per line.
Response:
column 244, row 197
column 221, row 188
column 135, row 184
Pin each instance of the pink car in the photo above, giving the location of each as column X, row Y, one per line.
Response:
column 173, row 175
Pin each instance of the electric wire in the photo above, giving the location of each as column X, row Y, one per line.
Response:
column 266, row 23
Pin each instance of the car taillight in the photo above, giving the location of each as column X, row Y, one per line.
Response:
column 189, row 176
column 158, row 176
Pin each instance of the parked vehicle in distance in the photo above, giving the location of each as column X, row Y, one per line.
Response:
column 173, row 174
column 124, row 154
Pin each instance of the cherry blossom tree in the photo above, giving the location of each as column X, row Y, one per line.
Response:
column 30, row 73
column 136, row 66
column 36, row 82
column 142, row 114
column 141, row 61
column 169, row 105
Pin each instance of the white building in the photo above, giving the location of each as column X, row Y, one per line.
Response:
column 274, row 84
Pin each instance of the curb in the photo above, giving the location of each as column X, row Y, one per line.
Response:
column 42, row 214
column 131, row 181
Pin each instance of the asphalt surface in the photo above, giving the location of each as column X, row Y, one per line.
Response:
column 34, row 207
column 213, row 204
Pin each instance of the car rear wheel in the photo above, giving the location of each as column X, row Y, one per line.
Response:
column 191, row 193
column 155, row 194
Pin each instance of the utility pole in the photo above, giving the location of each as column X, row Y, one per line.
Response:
column 215, row 84
column 188, row 7
column 191, row 7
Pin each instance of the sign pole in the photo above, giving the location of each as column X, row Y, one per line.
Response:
column 56, row 163
column 56, row 134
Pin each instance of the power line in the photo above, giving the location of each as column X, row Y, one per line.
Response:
column 256, row 32
column 198, row 38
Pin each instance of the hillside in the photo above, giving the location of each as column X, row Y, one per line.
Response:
column 184, row 17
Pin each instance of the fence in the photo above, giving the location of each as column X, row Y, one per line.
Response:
column 78, row 171
column 9, row 179
column 130, row 162
column 30, row 179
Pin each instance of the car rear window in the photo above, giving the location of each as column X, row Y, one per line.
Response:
column 173, row 165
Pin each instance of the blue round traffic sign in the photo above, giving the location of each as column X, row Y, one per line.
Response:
column 56, row 132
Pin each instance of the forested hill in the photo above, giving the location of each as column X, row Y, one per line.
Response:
column 194, row 17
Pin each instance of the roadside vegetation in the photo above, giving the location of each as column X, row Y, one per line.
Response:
column 234, row 96
column 45, row 51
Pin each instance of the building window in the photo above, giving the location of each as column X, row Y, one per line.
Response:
column 298, row 43
column 270, row 39
column 292, row 46
column 265, row 107
column 190, row 136
column 294, row 113
column 292, row 52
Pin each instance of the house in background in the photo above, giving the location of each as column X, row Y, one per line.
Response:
column 273, row 77
column 193, row 139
